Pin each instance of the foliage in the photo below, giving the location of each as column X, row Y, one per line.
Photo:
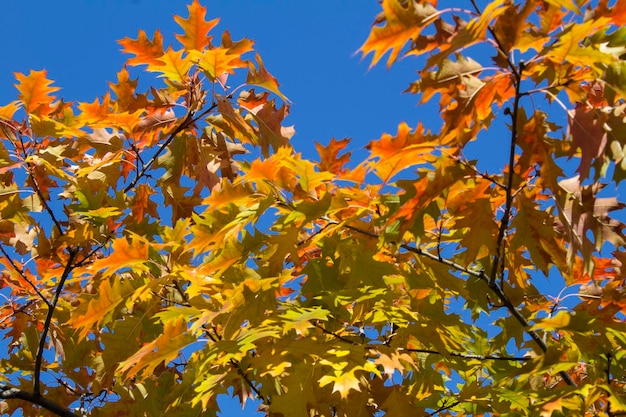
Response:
column 147, row 266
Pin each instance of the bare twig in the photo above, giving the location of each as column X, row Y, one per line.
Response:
column 497, row 265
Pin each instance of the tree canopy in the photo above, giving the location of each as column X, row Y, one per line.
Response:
column 162, row 247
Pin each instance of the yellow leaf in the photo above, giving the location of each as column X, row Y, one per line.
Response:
column 568, row 4
column 174, row 67
column 163, row 349
column 558, row 321
column 217, row 61
column 343, row 382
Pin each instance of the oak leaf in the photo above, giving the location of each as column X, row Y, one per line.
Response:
column 402, row 22
column 146, row 51
column 36, row 92
column 195, row 27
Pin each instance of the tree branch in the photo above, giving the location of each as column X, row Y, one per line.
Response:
column 31, row 175
column 73, row 252
column 183, row 125
column 8, row 393
column 445, row 407
column 188, row 121
column 492, row 285
column 241, row 373
column 429, row 351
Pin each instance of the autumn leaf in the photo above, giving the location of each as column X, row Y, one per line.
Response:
column 263, row 78
column 36, row 92
column 343, row 382
column 589, row 135
column 146, row 51
column 402, row 22
column 195, row 27
column 166, row 243
column 394, row 154
column 124, row 254
column 173, row 66
column 159, row 351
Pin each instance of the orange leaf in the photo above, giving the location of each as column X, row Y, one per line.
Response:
column 146, row 51
column 110, row 294
column 35, row 92
column 401, row 25
column 263, row 78
column 397, row 153
column 163, row 349
column 330, row 159
column 125, row 254
column 7, row 111
column 196, row 28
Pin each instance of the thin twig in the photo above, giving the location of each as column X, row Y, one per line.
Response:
column 428, row 351
column 23, row 275
column 241, row 373
column 445, row 407
column 183, row 125
column 498, row 259
column 93, row 251
column 36, row 187
column 483, row 175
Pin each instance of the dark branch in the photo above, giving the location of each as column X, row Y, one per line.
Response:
column 243, row 375
column 46, row 327
column 429, row 351
column 189, row 120
column 445, row 407
column 8, row 393
column 182, row 126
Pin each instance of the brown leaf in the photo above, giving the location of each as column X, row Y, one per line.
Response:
column 586, row 127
